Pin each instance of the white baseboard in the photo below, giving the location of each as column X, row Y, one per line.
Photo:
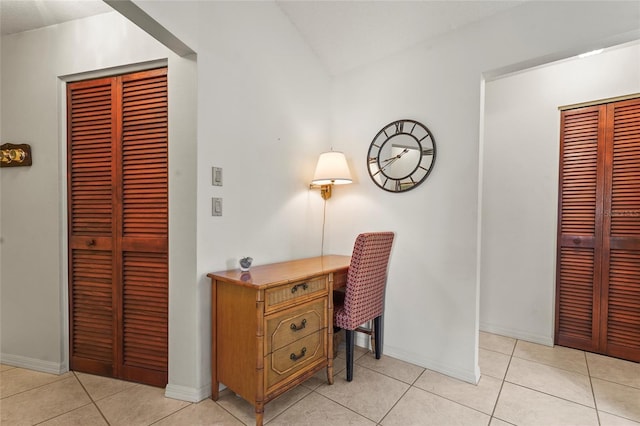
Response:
column 34, row 364
column 185, row 393
column 516, row 334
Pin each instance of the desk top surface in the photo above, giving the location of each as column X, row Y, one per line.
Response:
column 272, row 274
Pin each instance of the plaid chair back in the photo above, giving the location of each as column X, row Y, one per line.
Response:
column 366, row 280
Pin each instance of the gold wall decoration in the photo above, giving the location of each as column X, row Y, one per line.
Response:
column 12, row 155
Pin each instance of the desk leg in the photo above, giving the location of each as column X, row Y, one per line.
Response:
column 259, row 414
column 215, row 393
column 215, row 385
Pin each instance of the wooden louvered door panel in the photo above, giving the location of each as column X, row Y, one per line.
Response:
column 579, row 253
column 598, row 277
column 620, row 331
column 118, row 226
column 91, row 134
column 143, row 182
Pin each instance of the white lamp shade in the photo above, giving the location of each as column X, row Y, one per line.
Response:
column 332, row 168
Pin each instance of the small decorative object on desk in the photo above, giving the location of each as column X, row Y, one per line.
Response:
column 245, row 263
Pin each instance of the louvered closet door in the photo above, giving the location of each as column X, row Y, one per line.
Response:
column 598, row 279
column 620, row 332
column 580, row 233
column 118, row 226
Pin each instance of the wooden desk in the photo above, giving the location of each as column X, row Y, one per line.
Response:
column 272, row 327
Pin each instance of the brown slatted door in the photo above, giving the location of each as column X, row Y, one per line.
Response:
column 620, row 333
column 144, row 244
column 579, row 232
column 91, row 136
column 118, row 226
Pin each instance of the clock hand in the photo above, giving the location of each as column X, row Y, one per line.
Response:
column 394, row 158
column 391, row 160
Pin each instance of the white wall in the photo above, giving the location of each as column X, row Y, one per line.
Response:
column 520, row 184
column 35, row 66
column 433, row 289
column 262, row 115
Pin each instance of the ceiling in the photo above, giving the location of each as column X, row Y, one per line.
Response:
column 343, row 34
column 347, row 34
column 24, row 15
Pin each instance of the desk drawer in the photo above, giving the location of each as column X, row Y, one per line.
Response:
column 286, row 327
column 295, row 357
column 284, row 295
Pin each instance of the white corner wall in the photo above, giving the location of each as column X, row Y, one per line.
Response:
column 432, row 305
column 263, row 116
column 520, row 184
column 33, row 273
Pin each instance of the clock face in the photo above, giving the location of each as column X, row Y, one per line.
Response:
column 401, row 155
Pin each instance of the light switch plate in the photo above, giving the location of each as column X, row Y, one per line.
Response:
column 216, row 176
column 216, row 206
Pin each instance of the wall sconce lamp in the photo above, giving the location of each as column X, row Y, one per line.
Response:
column 332, row 169
column 15, row 155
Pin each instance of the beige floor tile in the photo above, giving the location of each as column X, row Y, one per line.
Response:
column 623, row 401
column 4, row 367
column 370, row 394
column 481, row 397
column 391, row 367
column 493, row 363
column 494, row 342
column 607, row 419
column 138, row 405
column 83, row 416
column 614, row 370
column 43, row 403
column 498, row 422
column 100, row 387
column 246, row 412
column 556, row 356
column 358, row 351
column 553, row 381
column 418, row 407
column 320, row 377
column 203, row 413
column 16, row 380
column 524, row 407
column 317, row 410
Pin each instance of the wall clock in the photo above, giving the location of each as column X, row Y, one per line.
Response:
column 401, row 156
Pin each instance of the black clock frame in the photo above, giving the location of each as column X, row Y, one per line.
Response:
column 398, row 128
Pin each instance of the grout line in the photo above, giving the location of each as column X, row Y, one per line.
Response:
column 58, row 379
column 90, row 397
column 396, row 403
column 552, row 365
column 62, row 414
column 171, row 414
column 593, row 393
column 344, row 406
column 549, row 394
column 504, row 378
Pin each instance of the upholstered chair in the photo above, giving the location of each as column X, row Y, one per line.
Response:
column 363, row 299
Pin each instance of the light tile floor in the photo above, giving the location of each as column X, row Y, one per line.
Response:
column 522, row 384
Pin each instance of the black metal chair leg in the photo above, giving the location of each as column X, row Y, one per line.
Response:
column 349, row 340
column 378, row 333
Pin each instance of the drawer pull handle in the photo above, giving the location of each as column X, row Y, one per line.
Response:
column 294, row 357
column 91, row 243
column 302, row 325
column 295, row 287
